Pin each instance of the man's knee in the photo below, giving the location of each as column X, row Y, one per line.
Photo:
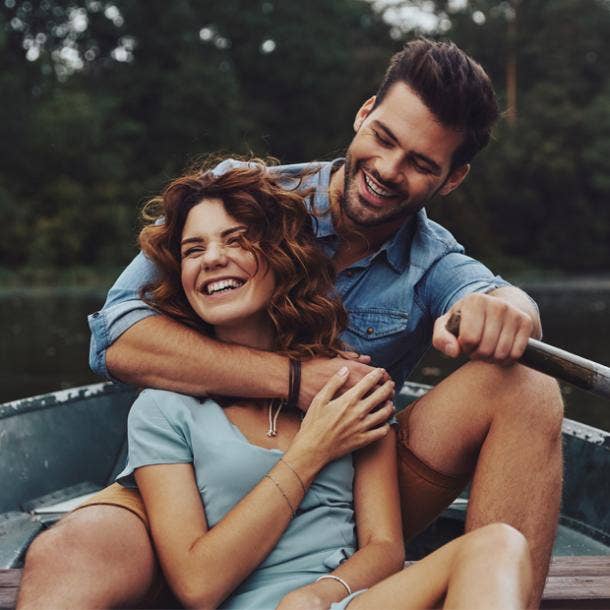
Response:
column 533, row 397
column 522, row 394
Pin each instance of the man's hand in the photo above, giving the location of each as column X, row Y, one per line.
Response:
column 491, row 329
column 317, row 371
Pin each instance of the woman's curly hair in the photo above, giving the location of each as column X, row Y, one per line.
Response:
column 305, row 311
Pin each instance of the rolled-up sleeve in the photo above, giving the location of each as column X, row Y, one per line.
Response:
column 123, row 308
column 453, row 277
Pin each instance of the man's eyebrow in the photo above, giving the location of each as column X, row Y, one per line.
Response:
column 434, row 166
column 229, row 231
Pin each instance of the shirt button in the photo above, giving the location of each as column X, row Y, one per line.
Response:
column 370, row 330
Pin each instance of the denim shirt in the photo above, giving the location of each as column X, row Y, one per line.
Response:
column 392, row 296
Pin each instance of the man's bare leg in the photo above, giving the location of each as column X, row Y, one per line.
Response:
column 505, row 425
column 97, row 557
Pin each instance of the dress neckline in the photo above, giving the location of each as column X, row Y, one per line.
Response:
column 240, row 435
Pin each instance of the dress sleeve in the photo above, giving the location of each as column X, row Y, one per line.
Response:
column 452, row 278
column 157, row 433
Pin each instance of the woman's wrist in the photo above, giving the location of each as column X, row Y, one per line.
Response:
column 305, row 462
column 328, row 590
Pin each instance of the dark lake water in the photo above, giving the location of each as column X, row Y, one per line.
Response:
column 45, row 340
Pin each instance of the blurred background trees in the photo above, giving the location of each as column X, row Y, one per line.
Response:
column 104, row 101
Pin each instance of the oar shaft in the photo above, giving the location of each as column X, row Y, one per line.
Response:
column 569, row 367
column 578, row 371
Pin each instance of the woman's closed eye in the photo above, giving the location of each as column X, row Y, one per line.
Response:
column 193, row 251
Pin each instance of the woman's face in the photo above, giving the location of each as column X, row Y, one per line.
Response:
column 220, row 277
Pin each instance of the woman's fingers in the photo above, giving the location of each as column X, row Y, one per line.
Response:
column 378, row 396
column 330, row 388
column 371, row 436
column 364, row 386
column 380, row 416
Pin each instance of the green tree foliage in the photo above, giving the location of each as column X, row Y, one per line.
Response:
column 103, row 101
column 109, row 100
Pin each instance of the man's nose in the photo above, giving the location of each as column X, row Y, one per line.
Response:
column 390, row 169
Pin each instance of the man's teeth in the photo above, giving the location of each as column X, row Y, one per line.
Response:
column 222, row 285
column 376, row 190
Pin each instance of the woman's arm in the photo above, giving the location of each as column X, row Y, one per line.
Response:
column 201, row 564
column 378, row 521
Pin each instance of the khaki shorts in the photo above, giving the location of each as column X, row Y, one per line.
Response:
column 424, row 492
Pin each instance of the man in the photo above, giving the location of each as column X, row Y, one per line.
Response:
column 401, row 277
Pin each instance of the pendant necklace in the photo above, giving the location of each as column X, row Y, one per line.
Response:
column 273, row 416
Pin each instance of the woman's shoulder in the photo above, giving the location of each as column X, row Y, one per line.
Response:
column 165, row 403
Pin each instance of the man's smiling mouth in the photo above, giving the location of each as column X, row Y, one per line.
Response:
column 377, row 190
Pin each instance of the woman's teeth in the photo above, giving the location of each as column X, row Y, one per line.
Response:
column 223, row 285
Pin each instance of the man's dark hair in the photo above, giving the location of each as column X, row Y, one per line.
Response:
column 452, row 85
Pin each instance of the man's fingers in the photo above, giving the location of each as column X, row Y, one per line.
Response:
column 472, row 327
column 362, row 358
column 443, row 340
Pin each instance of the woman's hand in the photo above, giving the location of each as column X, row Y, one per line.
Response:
column 334, row 427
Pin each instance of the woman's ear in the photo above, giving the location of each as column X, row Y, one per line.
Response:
column 363, row 112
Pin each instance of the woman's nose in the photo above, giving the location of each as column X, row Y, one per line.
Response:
column 215, row 256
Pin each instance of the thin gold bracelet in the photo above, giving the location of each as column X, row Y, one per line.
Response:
column 296, row 474
column 268, row 476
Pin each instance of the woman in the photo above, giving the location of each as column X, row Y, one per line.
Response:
column 250, row 504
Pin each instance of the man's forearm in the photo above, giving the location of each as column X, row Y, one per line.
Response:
column 158, row 352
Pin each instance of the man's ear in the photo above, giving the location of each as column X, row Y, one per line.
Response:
column 363, row 112
column 455, row 178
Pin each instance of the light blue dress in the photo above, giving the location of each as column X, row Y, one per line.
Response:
column 169, row 428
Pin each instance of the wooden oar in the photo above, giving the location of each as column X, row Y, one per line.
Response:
column 578, row 371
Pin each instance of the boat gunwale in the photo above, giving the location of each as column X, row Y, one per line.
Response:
column 62, row 397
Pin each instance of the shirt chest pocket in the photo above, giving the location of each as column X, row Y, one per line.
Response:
column 379, row 333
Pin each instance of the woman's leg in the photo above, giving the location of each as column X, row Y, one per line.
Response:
column 484, row 569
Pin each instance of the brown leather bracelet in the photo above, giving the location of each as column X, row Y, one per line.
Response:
column 294, row 384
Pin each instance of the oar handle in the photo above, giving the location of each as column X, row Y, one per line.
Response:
column 558, row 363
